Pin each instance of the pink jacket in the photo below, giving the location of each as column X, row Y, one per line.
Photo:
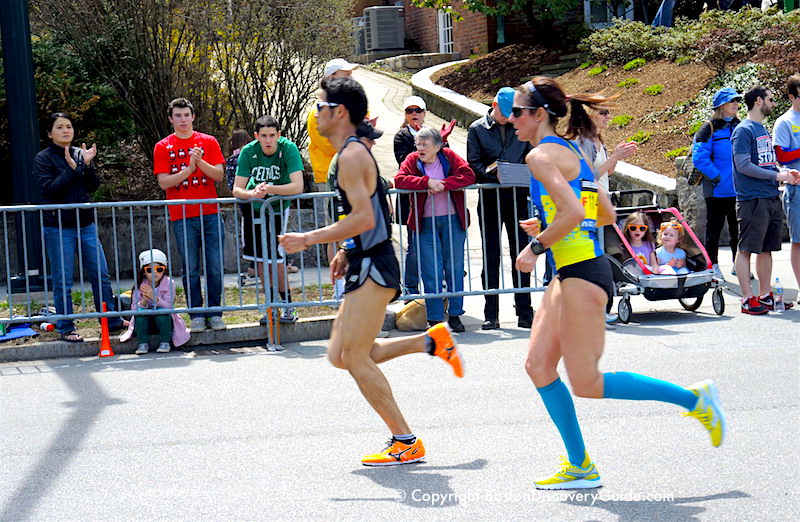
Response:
column 165, row 297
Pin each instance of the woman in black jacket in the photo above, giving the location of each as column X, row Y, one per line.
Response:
column 66, row 174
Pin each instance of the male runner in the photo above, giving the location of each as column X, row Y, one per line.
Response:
column 372, row 274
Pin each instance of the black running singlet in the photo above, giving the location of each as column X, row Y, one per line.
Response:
column 365, row 242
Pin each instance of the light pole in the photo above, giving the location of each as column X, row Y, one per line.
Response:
column 24, row 137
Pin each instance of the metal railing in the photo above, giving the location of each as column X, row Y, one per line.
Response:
column 126, row 228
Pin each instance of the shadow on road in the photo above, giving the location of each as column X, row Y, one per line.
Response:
column 413, row 483
column 647, row 510
column 90, row 401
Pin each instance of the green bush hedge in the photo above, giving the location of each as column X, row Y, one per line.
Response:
column 717, row 39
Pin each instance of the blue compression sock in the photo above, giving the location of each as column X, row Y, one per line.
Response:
column 636, row 387
column 559, row 405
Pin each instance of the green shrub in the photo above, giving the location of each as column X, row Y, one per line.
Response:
column 594, row 71
column 641, row 137
column 676, row 153
column 622, row 120
column 634, row 64
column 630, row 82
column 473, row 70
column 495, row 81
column 586, row 65
column 683, row 60
column 654, row 90
column 624, row 41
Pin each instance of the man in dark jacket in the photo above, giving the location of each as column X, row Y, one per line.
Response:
column 491, row 139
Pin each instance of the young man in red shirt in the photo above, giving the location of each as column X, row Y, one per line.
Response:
column 188, row 164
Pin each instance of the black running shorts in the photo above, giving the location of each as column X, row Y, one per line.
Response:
column 597, row 271
column 380, row 265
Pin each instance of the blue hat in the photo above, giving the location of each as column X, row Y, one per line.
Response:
column 505, row 100
column 723, row 96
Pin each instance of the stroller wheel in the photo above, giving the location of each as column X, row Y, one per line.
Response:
column 717, row 301
column 624, row 310
column 691, row 304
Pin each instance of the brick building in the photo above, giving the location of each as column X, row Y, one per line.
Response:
column 430, row 30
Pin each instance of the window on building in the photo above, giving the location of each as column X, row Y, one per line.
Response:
column 599, row 13
column 445, row 32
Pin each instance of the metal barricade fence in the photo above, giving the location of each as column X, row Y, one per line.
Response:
column 142, row 225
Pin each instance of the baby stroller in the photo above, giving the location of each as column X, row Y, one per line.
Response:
column 632, row 277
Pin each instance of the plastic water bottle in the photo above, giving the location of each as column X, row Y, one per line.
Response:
column 47, row 327
column 778, row 296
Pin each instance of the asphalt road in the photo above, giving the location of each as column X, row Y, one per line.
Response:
column 250, row 435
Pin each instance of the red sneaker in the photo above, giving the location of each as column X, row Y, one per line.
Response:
column 752, row 306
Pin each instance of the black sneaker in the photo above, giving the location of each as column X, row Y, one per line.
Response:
column 768, row 302
column 752, row 306
column 490, row 324
column 455, row 324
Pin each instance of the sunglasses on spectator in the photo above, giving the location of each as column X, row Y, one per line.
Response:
column 321, row 104
column 639, row 228
column 412, row 110
column 516, row 110
column 666, row 224
column 157, row 269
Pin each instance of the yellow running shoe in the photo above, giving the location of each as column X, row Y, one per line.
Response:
column 709, row 410
column 570, row 476
column 446, row 347
column 396, row 453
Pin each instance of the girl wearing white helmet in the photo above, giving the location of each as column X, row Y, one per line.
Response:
column 155, row 290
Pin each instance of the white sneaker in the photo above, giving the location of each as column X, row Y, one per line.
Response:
column 610, row 318
column 289, row 315
column 142, row 349
column 198, row 325
column 163, row 348
column 216, row 323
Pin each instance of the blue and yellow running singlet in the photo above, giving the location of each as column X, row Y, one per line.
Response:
column 582, row 242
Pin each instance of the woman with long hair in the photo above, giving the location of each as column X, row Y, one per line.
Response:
column 569, row 323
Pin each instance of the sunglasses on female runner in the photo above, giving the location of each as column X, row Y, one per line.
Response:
column 412, row 110
column 640, row 228
column 516, row 110
column 157, row 269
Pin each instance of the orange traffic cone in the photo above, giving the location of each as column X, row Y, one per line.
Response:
column 105, row 338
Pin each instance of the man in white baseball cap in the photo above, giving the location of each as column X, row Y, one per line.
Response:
column 338, row 64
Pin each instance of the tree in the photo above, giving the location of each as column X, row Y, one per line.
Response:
column 537, row 13
column 235, row 59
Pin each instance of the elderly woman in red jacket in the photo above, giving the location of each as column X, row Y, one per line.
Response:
column 440, row 217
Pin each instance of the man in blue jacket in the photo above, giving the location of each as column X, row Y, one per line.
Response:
column 711, row 154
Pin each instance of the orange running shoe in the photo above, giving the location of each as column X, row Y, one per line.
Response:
column 396, row 453
column 446, row 347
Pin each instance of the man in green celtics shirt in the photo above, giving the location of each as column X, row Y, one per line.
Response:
column 270, row 165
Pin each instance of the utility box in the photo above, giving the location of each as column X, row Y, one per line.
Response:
column 384, row 28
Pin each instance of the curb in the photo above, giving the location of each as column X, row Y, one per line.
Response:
column 313, row 329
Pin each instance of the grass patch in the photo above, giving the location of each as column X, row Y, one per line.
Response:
column 622, row 120
column 594, row 71
column 641, row 137
column 630, row 82
column 634, row 64
column 586, row 65
column 654, row 90
column 676, row 153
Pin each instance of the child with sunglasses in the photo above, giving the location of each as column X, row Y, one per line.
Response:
column 671, row 258
column 155, row 289
column 638, row 234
